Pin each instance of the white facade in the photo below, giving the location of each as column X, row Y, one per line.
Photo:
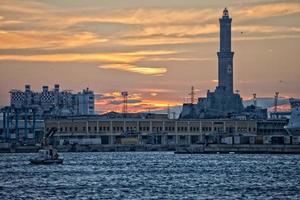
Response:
column 85, row 102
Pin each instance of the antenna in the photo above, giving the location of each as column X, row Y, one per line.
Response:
column 254, row 100
column 125, row 101
column 192, row 94
column 276, row 101
column 168, row 111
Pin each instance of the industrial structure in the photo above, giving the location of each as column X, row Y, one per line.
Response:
column 23, row 120
column 53, row 102
column 20, row 128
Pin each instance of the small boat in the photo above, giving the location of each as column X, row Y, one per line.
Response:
column 47, row 156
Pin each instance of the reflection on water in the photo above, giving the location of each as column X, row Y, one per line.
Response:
column 151, row 175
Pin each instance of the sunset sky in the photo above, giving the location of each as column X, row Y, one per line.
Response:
column 154, row 49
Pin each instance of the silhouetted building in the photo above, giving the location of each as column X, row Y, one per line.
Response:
column 223, row 102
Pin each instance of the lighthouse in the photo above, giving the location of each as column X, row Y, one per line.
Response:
column 225, row 55
column 222, row 102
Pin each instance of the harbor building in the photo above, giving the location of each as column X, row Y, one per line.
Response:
column 23, row 121
column 145, row 131
column 164, row 131
column 223, row 101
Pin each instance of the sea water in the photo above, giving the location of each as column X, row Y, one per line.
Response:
column 151, row 175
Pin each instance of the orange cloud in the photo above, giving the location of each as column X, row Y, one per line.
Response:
column 268, row 37
column 25, row 7
column 136, row 69
column 126, row 57
column 162, row 40
column 113, row 101
column 181, row 16
column 265, row 29
column 267, row 10
column 166, row 59
column 175, row 30
column 142, row 106
column 105, row 57
column 154, row 94
column 144, row 16
column 47, row 39
column 151, row 26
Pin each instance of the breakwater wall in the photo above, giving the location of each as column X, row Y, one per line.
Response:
column 179, row 149
column 239, row 148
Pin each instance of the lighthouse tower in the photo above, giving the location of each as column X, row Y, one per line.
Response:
column 225, row 55
column 223, row 102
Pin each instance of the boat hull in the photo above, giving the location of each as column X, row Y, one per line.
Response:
column 46, row 162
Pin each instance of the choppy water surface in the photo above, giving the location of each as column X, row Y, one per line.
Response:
column 151, row 176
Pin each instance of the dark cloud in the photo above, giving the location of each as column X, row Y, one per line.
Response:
column 104, row 97
column 130, row 101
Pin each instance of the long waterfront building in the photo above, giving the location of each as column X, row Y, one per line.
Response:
column 169, row 131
